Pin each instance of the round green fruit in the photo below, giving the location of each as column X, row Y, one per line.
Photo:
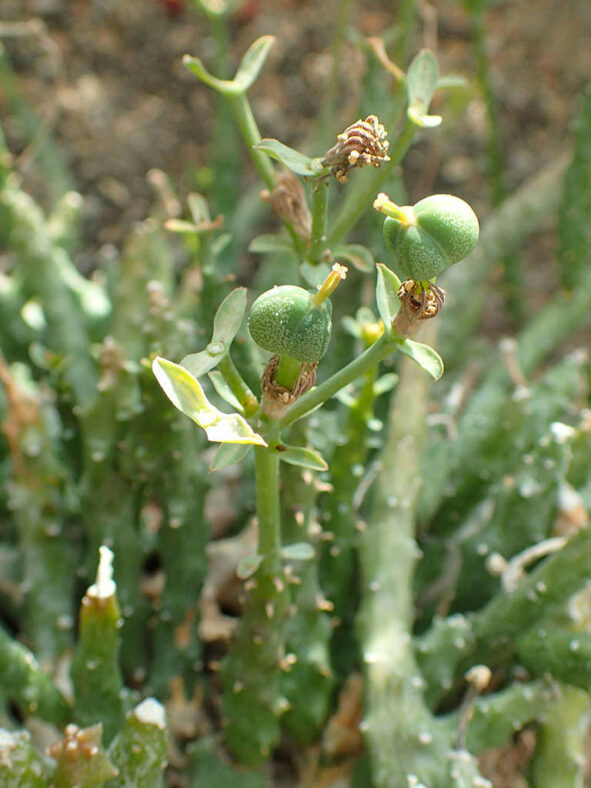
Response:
column 287, row 321
column 433, row 234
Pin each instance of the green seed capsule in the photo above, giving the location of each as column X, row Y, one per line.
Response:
column 430, row 236
column 286, row 320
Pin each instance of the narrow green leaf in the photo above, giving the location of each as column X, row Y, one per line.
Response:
column 252, row 62
column 222, row 388
column 298, row 455
column 271, row 244
column 199, row 208
column 229, row 454
column 298, row 551
column 294, row 160
column 357, row 255
column 425, row 357
column 228, row 318
column 186, row 394
column 248, row 565
column 387, row 299
column 199, row 364
column 451, row 81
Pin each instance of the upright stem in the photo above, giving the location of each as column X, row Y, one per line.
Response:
column 319, row 220
column 251, row 135
column 268, row 512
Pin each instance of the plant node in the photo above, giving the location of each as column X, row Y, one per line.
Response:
column 276, row 399
column 423, row 300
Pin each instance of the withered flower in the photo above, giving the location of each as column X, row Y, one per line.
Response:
column 362, row 144
column 289, row 203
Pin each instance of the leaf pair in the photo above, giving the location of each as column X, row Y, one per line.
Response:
column 247, row 71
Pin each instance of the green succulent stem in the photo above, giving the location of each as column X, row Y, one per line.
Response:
column 319, row 222
column 287, row 372
column 267, row 503
column 359, row 366
column 251, row 135
column 238, row 385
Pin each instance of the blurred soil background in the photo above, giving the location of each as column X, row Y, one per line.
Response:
column 105, row 80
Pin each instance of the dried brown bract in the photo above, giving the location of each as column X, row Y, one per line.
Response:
column 363, row 144
column 289, row 203
column 276, row 398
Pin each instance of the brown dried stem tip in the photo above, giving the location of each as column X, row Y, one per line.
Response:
column 362, row 144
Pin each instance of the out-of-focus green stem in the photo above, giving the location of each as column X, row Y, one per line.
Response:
column 140, row 751
column 402, row 736
column 561, row 741
column 96, row 674
column 319, row 220
column 454, row 644
column 361, row 197
column 22, row 680
column 21, row 763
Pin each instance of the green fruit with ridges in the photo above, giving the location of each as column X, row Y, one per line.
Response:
column 430, row 236
column 287, row 321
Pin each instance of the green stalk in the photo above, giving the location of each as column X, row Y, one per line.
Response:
column 359, row 366
column 251, row 135
column 327, row 113
column 319, row 222
column 23, row 681
column 96, row 674
column 402, row 736
column 251, row 673
column 140, row 751
column 238, row 386
column 561, row 741
column 21, row 763
column 364, row 193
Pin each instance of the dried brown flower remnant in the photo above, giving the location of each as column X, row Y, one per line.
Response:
column 362, row 144
column 289, row 203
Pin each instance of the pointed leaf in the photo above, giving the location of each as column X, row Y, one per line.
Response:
column 248, row 565
column 294, row 160
column 228, row 318
column 185, row 393
column 425, row 357
column 271, row 244
column 229, row 454
column 298, row 551
column 298, row 455
column 199, row 364
column 385, row 383
column 357, row 255
column 222, row 388
column 252, row 62
column 387, row 299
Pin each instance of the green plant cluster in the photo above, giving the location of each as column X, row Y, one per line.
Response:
column 428, row 543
